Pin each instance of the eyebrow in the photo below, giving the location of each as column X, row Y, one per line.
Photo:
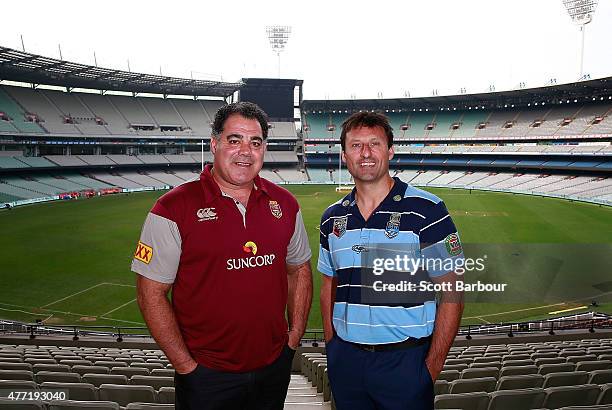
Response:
column 257, row 137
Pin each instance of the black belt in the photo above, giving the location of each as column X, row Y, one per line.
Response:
column 406, row 344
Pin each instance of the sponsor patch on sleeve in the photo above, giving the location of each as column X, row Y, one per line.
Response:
column 453, row 245
column 144, row 253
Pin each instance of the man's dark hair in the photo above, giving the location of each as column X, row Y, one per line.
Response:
column 366, row 119
column 248, row 110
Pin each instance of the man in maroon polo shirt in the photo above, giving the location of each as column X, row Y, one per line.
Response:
column 233, row 248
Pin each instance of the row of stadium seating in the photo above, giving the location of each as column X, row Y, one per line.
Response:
column 109, row 377
column 52, row 161
column 500, row 377
column 561, row 120
column 599, row 149
column 16, row 187
column 85, row 114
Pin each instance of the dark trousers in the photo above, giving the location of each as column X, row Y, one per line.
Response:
column 262, row 389
column 388, row 380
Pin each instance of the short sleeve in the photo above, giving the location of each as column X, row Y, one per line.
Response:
column 158, row 251
column 298, row 251
column 325, row 263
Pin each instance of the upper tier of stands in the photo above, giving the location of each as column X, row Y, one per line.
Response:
column 558, row 120
column 58, row 113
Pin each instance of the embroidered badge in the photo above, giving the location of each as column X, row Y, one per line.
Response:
column 346, row 202
column 453, row 245
column 392, row 229
column 340, row 226
column 276, row 209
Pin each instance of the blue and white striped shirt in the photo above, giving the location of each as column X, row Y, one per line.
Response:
column 409, row 221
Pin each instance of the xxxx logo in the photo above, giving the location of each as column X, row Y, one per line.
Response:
column 143, row 253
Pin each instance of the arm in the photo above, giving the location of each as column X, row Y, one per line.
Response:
column 299, row 299
column 159, row 316
column 327, row 297
column 448, row 317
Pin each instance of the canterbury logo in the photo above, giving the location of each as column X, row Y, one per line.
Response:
column 206, row 214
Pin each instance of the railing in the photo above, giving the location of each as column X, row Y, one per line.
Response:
column 120, row 333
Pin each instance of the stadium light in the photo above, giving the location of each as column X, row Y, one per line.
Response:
column 581, row 13
column 278, row 37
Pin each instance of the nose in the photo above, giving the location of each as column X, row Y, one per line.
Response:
column 366, row 152
column 245, row 148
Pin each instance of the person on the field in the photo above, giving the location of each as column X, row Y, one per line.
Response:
column 385, row 349
column 233, row 249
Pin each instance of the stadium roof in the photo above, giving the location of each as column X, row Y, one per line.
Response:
column 24, row 67
column 582, row 91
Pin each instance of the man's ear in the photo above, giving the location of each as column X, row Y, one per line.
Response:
column 391, row 153
column 213, row 144
column 343, row 157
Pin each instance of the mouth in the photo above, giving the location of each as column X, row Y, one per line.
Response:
column 243, row 164
column 367, row 164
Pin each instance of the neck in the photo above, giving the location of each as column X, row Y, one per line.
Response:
column 370, row 194
column 239, row 192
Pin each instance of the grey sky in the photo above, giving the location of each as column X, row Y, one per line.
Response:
column 339, row 48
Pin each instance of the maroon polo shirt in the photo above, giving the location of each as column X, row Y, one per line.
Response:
column 229, row 292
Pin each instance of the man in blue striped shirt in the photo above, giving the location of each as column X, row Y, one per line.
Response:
column 384, row 250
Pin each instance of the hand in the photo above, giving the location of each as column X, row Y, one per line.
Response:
column 434, row 368
column 294, row 339
column 187, row 367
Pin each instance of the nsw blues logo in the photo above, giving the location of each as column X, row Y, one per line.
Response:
column 392, row 229
column 340, row 226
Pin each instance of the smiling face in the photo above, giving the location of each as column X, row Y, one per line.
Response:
column 367, row 154
column 239, row 151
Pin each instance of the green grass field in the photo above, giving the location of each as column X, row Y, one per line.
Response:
column 69, row 262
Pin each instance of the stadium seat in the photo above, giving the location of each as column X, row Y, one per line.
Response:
column 15, row 366
column 475, row 365
column 99, row 379
column 458, row 361
column 163, row 372
column 571, row 396
column 525, row 381
column 565, row 379
column 449, row 375
column 17, row 384
column 126, row 394
column 440, row 387
column 482, row 372
column 75, row 404
column 522, row 362
column 21, row 405
column 606, row 394
column 166, row 395
column 50, row 368
column 594, row 407
column 549, row 360
column 556, row 368
column 464, row 401
column 156, row 382
column 89, row 369
column 517, row 370
column 488, row 359
column 148, row 406
column 594, row 365
column 149, row 366
column 76, row 391
column 16, row 375
column 110, row 363
column 517, row 399
column 34, row 361
column 458, row 367
column 130, row 371
column 61, row 377
column 581, row 358
column 486, row 384
column 600, row 377
column 75, row 362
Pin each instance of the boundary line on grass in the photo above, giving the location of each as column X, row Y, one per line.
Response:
column 117, row 308
column 74, row 294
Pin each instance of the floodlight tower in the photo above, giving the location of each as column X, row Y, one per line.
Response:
column 278, row 36
column 581, row 12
